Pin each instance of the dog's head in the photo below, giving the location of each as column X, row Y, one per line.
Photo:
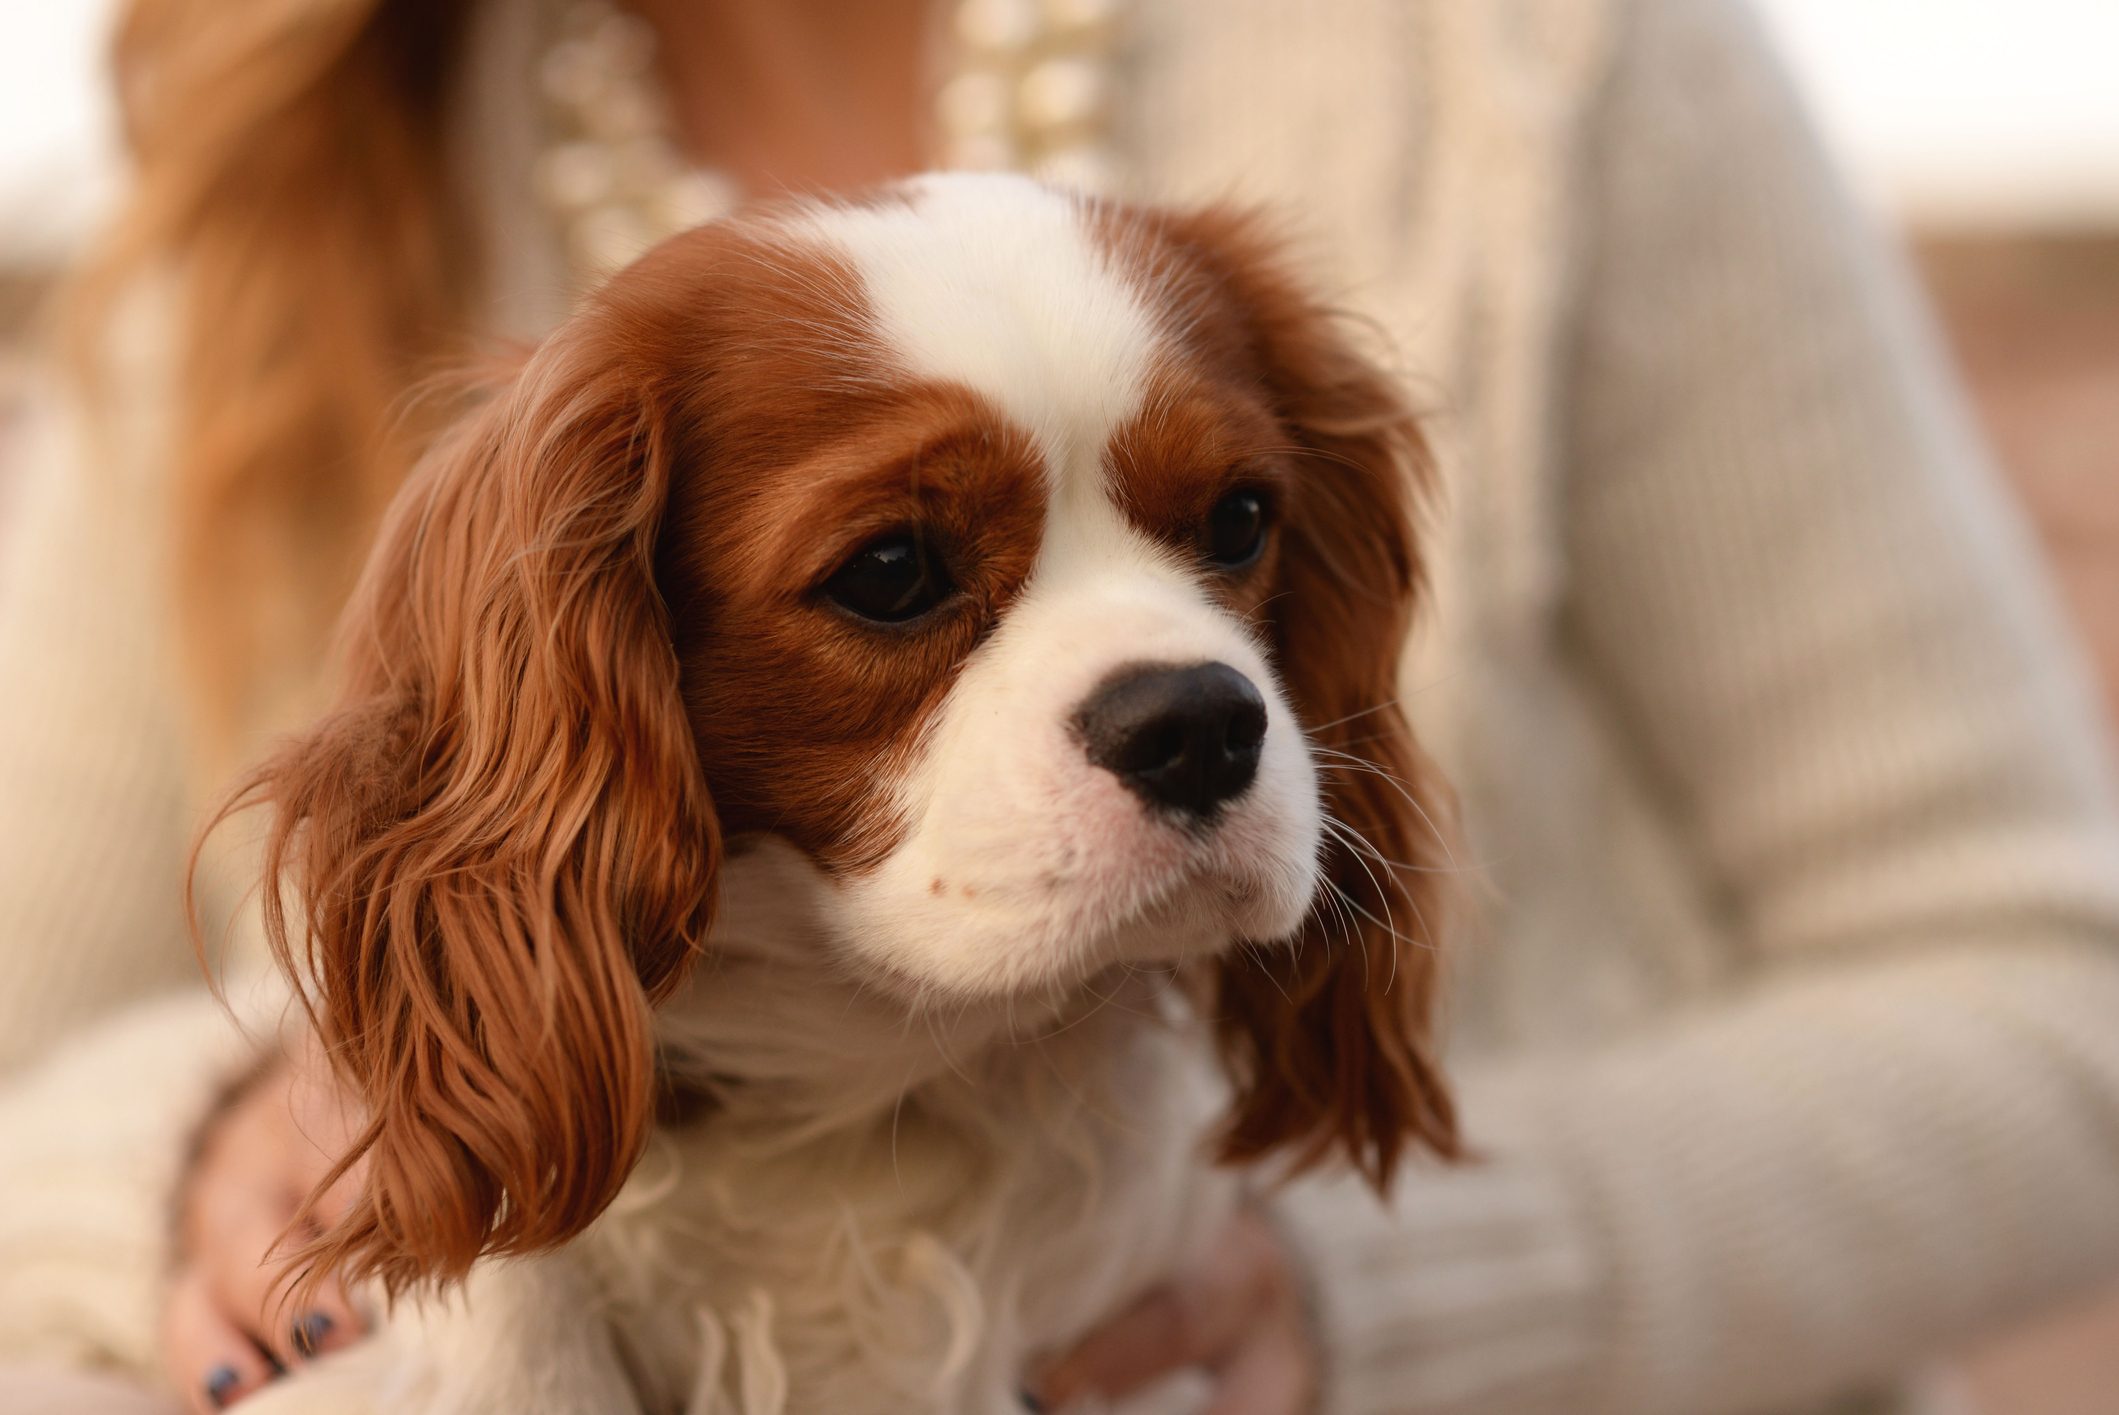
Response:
column 1037, row 569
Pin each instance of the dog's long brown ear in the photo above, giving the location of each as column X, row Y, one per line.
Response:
column 497, row 852
column 1329, row 1040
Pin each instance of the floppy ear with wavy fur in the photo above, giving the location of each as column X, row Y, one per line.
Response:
column 1329, row 1041
column 499, row 847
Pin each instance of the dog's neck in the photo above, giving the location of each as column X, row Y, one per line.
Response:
column 775, row 1021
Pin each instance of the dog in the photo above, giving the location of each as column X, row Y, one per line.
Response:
column 868, row 784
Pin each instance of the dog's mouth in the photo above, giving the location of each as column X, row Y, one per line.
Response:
column 1197, row 912
column 1202, row 909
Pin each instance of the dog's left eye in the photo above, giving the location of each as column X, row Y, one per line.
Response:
column 1236, row 529
column 891, row 580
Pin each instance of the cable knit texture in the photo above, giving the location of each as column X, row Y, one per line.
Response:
column 1786, row 1027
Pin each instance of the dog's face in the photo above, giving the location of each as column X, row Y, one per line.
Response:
column 971, row 550
column 1036, row 569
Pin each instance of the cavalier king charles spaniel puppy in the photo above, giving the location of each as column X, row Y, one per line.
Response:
column 867, row 778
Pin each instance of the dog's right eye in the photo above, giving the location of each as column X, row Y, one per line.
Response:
column 891, row 580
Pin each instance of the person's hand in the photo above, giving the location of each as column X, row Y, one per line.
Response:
column 1239, row 1317
column 228, row 1329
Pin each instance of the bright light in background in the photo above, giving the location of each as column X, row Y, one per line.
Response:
column 1951, row 112
column 57, row 140
column 1968, row 112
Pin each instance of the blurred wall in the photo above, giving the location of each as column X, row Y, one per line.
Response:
column 1967, row 114
column 2034, row 320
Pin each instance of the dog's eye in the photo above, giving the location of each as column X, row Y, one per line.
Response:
column 890, row 581
column 1236, row 529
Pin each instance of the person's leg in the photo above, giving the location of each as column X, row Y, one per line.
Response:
column 41, row 1390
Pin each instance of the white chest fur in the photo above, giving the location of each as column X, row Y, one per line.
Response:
column 888, row 1213
column 915, row 1262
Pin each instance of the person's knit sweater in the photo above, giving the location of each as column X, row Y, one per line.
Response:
column 1788, row 1024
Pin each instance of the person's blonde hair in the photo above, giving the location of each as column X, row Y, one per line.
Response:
column 290, row 177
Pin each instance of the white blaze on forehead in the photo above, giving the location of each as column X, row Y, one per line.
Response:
column 1025, row 863
column 995, row 283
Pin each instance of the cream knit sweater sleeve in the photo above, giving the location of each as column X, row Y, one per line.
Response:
column 92, row 789
column 1815, row 621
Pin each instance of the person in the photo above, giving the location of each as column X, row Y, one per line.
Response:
column 1783, row 1021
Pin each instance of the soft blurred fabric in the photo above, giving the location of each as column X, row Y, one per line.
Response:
column 57, row 1392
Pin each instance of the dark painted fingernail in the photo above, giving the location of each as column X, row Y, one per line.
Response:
column 221, row 1382
column 309, row 1333
column 1031, row 1403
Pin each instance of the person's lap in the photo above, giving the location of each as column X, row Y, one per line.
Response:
column 43, row 1390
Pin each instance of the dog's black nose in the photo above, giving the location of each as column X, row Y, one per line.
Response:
column 1183, row 738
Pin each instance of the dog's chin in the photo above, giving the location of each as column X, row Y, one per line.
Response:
column 1050, row 952
column 1209, row 916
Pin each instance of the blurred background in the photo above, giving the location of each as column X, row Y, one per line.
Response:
column 1990, row 138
